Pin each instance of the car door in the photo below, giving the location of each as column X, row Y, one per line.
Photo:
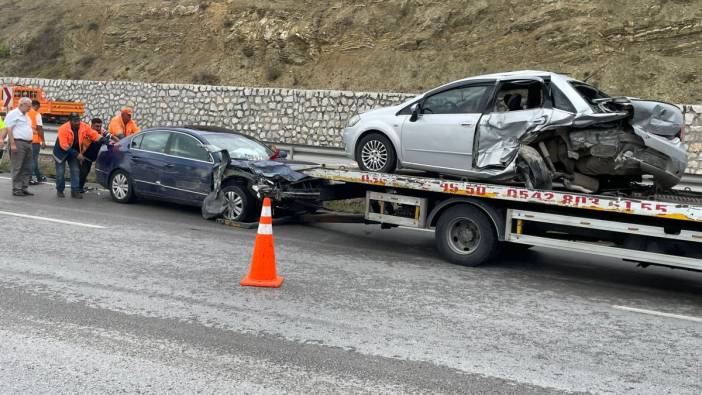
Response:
column 148, row 158
column 518, row 107
column 187, row 177
column 441, row 136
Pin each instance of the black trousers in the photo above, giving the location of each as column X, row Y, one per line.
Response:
column 84, row 170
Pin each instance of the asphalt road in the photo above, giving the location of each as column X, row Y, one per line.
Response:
column 145, row 297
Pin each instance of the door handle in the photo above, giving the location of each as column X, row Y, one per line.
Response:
column 466, row 124
column 137, row 159
column 169, row 165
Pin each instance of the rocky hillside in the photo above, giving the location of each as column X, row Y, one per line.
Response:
column 645, row 48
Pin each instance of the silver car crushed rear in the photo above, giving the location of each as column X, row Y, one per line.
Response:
column 535, row 127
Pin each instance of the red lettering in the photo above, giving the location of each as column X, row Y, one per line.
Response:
column 662, row 208
column 595, row 201
column 536, row 195
column 567, row 199
column 645, row 206
column 512, row 193
column 549, row 195
column 627, row 204
column 580, row 200
column 481, row 191
column 523, row 194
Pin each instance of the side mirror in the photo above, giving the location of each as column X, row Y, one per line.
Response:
column 415, row 112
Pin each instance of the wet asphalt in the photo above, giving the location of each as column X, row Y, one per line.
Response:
column 145, row 298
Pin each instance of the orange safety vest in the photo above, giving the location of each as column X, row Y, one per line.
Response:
column 32, row 114
column 118, row 127
column 86, row 135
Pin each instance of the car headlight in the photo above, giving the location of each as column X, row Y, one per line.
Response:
column 354, row 120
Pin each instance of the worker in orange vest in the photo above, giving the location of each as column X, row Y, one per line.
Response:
column 67, row 149
column 122, row 125
column 37, row 141
column 90, row 147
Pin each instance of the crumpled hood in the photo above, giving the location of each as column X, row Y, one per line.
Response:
column 288, row 170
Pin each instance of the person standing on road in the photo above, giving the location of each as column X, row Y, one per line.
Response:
column 38, row 142
column 67, row 149
column 19, row 136
column 90, row 145
column 2, row 138
column 122, row 125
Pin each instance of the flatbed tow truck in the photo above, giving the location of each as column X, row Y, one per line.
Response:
column 474, row 221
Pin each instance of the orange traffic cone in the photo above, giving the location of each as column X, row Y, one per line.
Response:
column 262, row 272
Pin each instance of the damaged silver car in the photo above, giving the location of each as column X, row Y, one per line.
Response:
column 534, row 127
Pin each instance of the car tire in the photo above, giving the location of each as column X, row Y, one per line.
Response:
column 121, row 187
column 466, row 236
column 375, row 152
column 532, row 169
column 239, row 204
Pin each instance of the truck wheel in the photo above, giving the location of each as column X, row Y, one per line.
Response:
column 375, row 152
column 466, row 236
column 239, row 205
column 532, row 169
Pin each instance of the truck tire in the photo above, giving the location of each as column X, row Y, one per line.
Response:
column 532, row 168
column 466, row 236
column 374, row 152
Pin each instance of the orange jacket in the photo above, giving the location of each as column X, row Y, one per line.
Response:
column 118, row 127
column 86, row 135
column 32, row 114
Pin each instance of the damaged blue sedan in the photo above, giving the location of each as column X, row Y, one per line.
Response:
column 224, row 172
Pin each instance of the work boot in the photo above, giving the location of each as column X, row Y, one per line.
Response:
column 33, row 182
column 42, row 179
column 76, row 195
column 27, row 193
column 60, row 194
column 17, row 192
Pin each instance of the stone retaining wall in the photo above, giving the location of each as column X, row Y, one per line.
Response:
column 287, row 116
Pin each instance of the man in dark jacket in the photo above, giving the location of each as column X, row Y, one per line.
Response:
column 67, row 149
column 90, row 147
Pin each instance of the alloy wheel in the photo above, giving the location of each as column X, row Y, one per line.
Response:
column 374, row 155
column 120, row 186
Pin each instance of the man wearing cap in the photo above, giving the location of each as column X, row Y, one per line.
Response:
column 18, row 127
column 122, row 125
column 67, row 149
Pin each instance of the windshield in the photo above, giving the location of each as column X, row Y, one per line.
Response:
column 240, row 147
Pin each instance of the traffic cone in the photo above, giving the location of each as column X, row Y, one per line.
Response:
column 262, row 272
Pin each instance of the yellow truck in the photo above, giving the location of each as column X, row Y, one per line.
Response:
column 51, row 110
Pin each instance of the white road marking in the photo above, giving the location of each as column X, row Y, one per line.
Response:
column 6, row 178
column 59, row 221
column 658, row 313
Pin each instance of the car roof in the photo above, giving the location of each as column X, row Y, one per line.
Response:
column 196, row 130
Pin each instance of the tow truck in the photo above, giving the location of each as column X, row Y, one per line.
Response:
column 474, row 221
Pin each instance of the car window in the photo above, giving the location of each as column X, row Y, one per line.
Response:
column 187, row 146
column 589, row 93
column 155, row 141
column 465, row 100
column 560, row 100
column 136, row 141
column 239, row 147
column 519, row 95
